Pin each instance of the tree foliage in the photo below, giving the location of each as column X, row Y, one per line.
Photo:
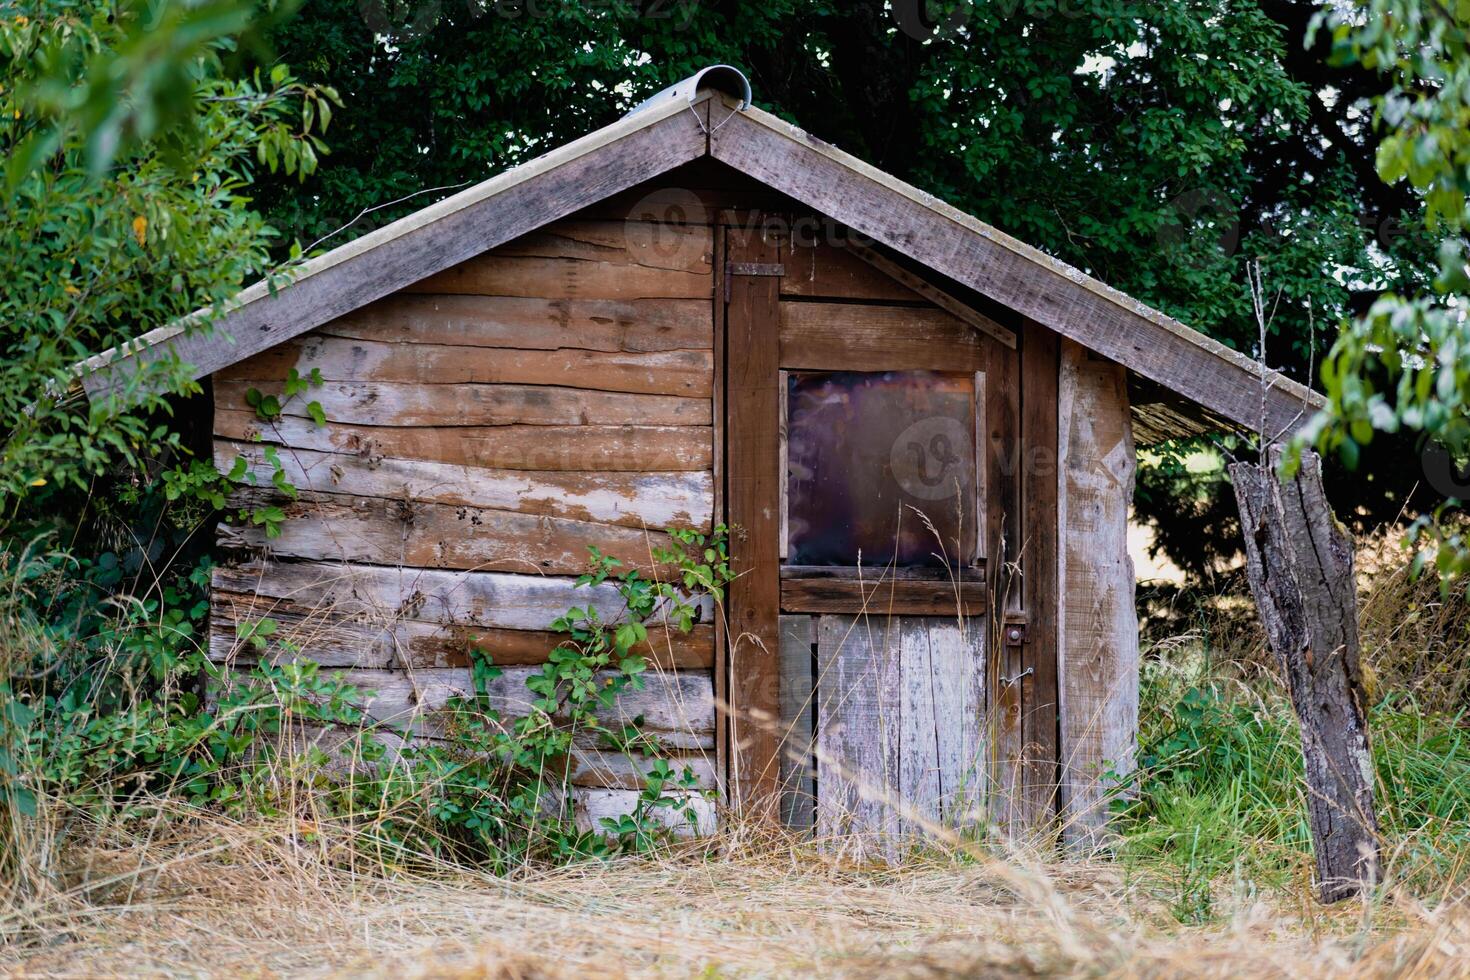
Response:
column 129, row 144
column 1159, row 146
column 1405, row 364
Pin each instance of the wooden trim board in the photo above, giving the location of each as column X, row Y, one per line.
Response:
column 934, row 294
column 882, row 596
column 1039, row 368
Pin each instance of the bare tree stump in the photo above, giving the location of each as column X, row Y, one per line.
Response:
column 1300, row 564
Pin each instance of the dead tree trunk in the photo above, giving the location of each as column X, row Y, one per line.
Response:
column 1300, row 565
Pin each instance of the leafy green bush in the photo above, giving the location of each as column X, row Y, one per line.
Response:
column 130, row 141
column 106, row 713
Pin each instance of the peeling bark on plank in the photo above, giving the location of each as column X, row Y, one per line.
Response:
column 619, row 770
column 473, row 598
column 375, row 531
column 638, row 500
column 677, row 707
column 1299, row 561
column 575, row 448
column 597, row 783
column 334, row 638
column 370, row 616
column 416, row 405
column 591, row 806
column 520, row 323
column 688, row 373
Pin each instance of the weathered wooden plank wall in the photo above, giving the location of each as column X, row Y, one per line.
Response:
column 485, row 425
column 1098, row 669
column 483, row 428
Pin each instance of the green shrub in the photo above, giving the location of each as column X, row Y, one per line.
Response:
column 1220, row 792
column 107, row 715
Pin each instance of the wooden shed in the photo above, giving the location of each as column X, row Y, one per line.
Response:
column 922, row 430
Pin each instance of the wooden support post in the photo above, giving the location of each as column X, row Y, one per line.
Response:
column 1003, row 523
column 753, row 456
column 1021, row 537
column 1300, row 564
column 1039, row 363
column 1098, row 648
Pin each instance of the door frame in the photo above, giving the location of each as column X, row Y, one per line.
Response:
column 1018, row 468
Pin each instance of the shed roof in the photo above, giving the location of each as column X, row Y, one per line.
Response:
column 709, row 115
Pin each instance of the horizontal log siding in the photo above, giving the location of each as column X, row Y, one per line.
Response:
column 483, row 428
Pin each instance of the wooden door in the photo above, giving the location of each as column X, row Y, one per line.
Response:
column 856, row 462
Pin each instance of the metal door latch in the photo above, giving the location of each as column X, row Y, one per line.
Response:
column 1008, row 681
column 1015, row 634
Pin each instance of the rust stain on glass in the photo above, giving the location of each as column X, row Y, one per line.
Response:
column 867, row 453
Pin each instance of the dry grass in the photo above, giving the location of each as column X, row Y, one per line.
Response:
column 1414, row 638
column 215, row 898
column 185, row 895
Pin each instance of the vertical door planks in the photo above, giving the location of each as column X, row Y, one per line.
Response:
column 900, row 705
column 859, row 705
column 798, row 786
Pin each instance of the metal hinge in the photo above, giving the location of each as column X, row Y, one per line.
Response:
column 733, row 269
column 755, row 269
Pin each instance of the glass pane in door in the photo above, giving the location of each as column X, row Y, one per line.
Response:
column 881, row 466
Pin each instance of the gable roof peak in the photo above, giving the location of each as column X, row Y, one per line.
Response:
column 676, row 127
column 724, row 79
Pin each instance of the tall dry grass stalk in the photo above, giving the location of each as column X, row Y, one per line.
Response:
column 1416, row 637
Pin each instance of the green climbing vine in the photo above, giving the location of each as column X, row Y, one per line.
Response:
column 200, row 480
column 496, row 785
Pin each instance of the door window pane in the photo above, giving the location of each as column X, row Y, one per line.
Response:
column 882, row 465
